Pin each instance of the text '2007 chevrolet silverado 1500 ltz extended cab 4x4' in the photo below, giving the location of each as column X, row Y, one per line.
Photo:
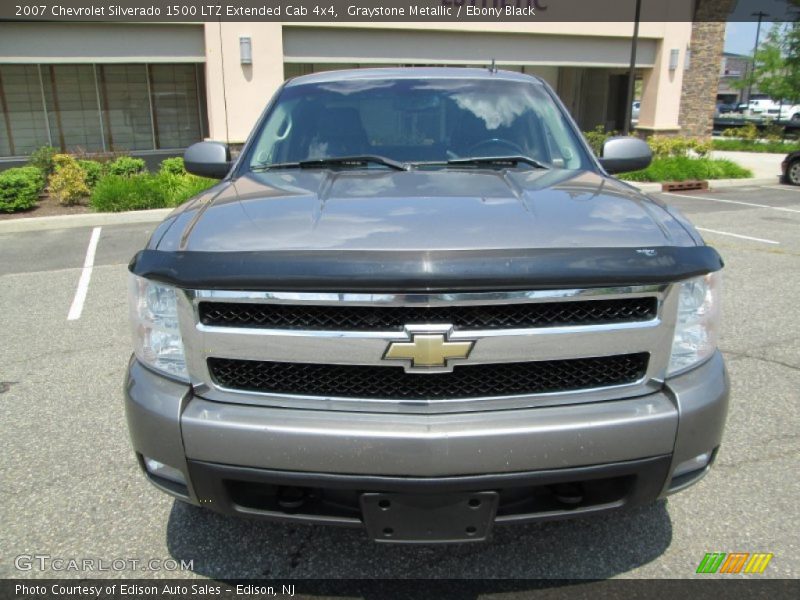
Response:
column 417, row 303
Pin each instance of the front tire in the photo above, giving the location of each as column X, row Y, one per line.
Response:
column 795, row 118
column 793, row 172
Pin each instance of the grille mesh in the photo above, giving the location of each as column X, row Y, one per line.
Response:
column 466, row 381
column 391, row 318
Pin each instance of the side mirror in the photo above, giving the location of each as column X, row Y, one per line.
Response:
column 208, row 159
column 622, row 154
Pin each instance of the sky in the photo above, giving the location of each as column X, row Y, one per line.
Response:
column 740, row 36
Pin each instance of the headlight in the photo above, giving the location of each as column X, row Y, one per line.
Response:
column 156, row 334
column 697, row 326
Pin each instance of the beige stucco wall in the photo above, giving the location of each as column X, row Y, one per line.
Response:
column 237, row 93
column 246, row 89
column 661, row 90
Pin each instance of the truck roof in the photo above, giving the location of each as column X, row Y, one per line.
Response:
column 411, row 73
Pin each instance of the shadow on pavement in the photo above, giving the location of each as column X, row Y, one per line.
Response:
column 225, row 547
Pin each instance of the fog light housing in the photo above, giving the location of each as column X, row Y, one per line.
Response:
column 159, row 469
column 700, row 461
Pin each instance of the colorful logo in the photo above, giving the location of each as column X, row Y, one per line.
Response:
column 735, row 562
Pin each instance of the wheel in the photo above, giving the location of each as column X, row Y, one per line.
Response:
column 793, row 172
column 795, row 118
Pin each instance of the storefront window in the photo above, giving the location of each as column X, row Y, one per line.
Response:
column 23, row 126
column 101, row 108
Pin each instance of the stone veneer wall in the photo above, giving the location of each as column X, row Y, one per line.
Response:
column 700, row 82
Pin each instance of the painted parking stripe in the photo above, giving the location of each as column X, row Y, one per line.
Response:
column 76, row 309
column 724, row 201
column 783, row 188
column 737, row 235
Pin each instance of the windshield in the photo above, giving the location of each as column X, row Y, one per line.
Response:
column 432, row 120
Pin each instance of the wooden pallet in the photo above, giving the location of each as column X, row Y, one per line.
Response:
column 683, row 186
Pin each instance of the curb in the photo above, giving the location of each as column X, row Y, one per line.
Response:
column 714, row 184
column 84, row 220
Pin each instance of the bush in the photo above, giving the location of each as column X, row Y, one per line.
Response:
column 20, row 188
column 189, row 186
column 116, row 193
column 173, row 166
column 755, row 146
column 93, row 170
column 597, row 137
column 666, row 146
column 42, row 159
column 745, row 132
column 126, row 166
column 683, row 168
column 772, row 132
column 68, row 182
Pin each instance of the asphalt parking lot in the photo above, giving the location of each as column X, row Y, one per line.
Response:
column 71, row 489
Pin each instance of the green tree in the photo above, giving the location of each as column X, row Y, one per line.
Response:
column 776, row 71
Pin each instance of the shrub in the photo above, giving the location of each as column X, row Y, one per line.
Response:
column 93, row 170
column 665, row 146
column 191, row 185
column 68, row 182
column 748, row 131
column 174, row 166
column 115, row 193
column 682, row 168
column 772, row 132
column 597, row 137
column 42, row 159
column 126, row 166
column 20, row 188
column 755, row 146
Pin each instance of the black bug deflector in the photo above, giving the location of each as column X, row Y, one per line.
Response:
column 423, row 271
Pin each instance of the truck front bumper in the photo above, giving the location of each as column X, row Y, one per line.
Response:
column 315, row 466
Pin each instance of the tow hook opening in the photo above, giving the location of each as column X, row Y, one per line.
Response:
column 291, row 497
column 570, row 494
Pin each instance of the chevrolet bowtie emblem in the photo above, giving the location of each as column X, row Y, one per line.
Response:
column 428, row 350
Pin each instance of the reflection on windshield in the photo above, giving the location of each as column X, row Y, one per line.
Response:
column 494, row 111
column 413, row 120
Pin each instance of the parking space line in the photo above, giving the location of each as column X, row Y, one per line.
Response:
column 724, row 201
column 76, row 309
column 783, row 188
column 737, row 235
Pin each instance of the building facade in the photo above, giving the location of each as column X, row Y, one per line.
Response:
column 108, row 87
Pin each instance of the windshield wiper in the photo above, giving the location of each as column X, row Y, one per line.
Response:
column 511, row 161
column 341, row 161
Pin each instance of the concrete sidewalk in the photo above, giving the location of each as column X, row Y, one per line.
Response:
column 763, row 165
column 83, row 220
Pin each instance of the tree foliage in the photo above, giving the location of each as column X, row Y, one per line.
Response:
column 776, row 71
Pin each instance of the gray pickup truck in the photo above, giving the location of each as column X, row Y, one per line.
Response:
column 416, row 303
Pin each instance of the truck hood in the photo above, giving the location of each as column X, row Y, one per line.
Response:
column 449, row 209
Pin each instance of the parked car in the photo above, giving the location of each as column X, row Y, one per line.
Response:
column 724, row 108
column 419, row 305
column 635, row 110
column 789, row 112
column 790, row 167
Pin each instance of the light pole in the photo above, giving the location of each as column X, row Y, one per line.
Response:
column 626, row 127
column 760, row 14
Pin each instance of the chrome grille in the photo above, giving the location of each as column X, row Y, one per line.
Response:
column 393, row 383
column 394, row 318
column 326, row 350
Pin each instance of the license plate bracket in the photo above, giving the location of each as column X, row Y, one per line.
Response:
column 429, row 518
